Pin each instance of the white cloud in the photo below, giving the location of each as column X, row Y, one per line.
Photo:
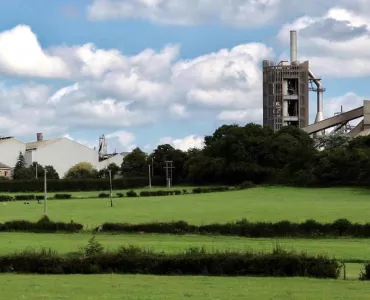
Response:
column 335, row 43
column 189, row 142
column 112, row 90
column 236, row 12
column 120, row 141
column 21, row 54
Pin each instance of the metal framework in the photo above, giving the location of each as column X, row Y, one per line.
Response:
column 285, row 94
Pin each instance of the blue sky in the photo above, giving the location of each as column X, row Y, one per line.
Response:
column 145, row 72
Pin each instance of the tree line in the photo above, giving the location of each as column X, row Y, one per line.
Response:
column 235, row 154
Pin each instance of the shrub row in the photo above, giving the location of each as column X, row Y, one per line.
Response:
column 63, row 185
column 132, row 260
column 200, row 190
column 43, row 225
column 8, row 198
column 310, row 228
column 159, row 193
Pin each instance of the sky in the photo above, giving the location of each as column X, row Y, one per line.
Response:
column 148, row 72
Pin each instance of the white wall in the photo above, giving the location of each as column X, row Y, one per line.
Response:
column 9, row 151
column 64, row 154
column 117, row 159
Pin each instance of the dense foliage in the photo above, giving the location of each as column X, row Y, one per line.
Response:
column 307, row 229
column 131, row 260
column 235, row 154
column 43, row 225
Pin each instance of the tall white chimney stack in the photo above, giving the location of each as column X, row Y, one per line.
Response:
column 293, row 46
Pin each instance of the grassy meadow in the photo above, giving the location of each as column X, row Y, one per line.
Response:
column 131, row 287
column 257, row 204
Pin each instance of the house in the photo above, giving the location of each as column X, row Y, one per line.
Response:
column 5, row 171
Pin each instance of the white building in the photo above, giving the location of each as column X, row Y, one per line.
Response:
column 9, row 150
column 61, row 153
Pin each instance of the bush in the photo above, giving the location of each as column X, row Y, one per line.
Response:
column 307, row 229
column 131, row 194
column 132, row 260
column 43, row 225
column 104, row 195
column 120, row 195
column 6, row 198
column 246, row 185
column 40, row 197
column 200, row 190
column 61, row 196
column 24, row 197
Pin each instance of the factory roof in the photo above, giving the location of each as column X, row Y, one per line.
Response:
column 40, row 144
column 4, row 166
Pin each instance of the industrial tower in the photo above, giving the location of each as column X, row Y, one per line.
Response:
column 286, row 89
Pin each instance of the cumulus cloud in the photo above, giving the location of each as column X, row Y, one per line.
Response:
column 335, row 43
column 184, row 144
column 120, row 141
column 237, row 13
column 22, row 55
column 113, row 90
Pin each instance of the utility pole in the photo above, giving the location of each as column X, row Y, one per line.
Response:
column 150, row 178
column 45, row 193
column 110, row 187
column 169, row 166
column 153, row 166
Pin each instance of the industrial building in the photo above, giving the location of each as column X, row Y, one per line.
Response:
column 61, row 153
column 286, row 87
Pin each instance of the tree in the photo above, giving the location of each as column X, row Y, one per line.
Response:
column 51, row 172
column 135, row 163
column 20, row 171
column 164, row 153
column 83, row 170
column 37, row 167
column 104, row 173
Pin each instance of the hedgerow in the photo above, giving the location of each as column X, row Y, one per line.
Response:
column 309, row 228
column 43, row 225
column 132, row 260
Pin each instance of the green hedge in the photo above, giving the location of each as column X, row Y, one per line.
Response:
column 310, row 228
column 132, row 260
column 43, row 225
column 62, row 185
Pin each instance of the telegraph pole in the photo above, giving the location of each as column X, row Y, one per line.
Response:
column 110, row 187
column 150, row 178
column 45, row 193
column 169, row 166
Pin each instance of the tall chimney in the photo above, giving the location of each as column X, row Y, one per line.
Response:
column 39, row 136
column 293, row 46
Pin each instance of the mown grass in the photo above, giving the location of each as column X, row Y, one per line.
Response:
column 265, row 203
column 342, row 249
column 122, row 287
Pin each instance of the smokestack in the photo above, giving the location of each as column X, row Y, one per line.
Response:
column 39, row 136
column 293, row 46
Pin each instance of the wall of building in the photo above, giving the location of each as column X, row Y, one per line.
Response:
column 9, row 151
column 117, row 159
column 5, row 173
column 64, row 154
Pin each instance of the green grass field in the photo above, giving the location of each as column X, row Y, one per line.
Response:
column 110, row 287
column 269, row 204
column 343, row 249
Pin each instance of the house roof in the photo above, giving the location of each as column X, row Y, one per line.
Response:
column 43, row 143
column 4, row 166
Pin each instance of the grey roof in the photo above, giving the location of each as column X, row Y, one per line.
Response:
column 4, row 166
column 43, row 143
